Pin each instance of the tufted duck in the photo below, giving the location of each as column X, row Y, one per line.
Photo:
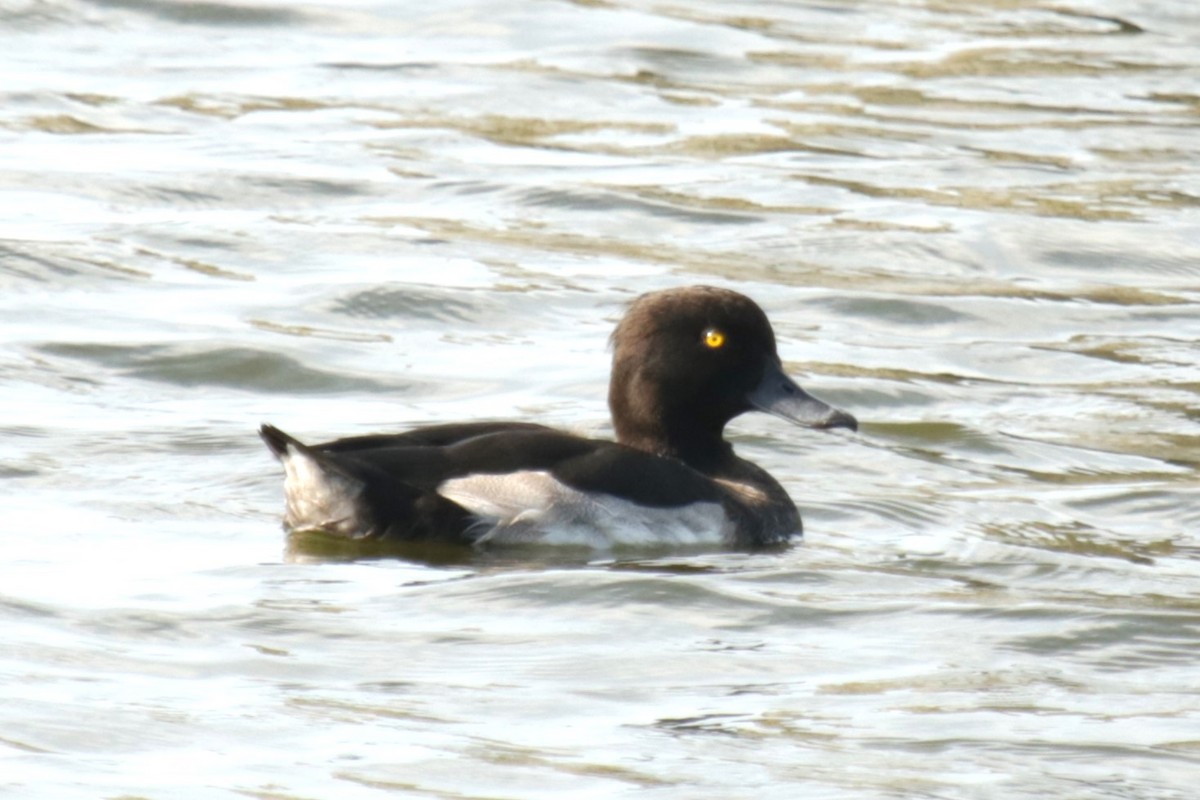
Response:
column 685, row 362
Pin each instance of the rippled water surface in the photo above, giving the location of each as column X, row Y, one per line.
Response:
column 974, row 223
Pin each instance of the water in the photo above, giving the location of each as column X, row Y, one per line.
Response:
column 974, row 225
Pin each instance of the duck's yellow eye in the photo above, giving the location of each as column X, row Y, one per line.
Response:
column 714, row 339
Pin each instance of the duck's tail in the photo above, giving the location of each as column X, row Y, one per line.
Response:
column 277, row 440
column 322, row 494
column 350, row 497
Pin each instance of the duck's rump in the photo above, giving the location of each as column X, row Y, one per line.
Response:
column 497, row 483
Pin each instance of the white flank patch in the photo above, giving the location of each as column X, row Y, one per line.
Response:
column 531, row 506
column 317, row 497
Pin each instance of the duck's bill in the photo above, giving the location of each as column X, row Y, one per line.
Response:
column 780, row 395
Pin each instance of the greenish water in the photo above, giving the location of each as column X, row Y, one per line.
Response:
column 975, row 225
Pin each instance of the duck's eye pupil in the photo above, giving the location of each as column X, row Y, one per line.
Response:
column 713, row 338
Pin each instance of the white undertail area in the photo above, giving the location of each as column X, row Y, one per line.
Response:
column 318, row 497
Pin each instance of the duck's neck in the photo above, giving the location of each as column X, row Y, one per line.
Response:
column 655, row 416
column 701, row 447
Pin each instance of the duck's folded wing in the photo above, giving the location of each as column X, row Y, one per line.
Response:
column 560, row 489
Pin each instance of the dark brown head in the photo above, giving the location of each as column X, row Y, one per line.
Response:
column 686, row 361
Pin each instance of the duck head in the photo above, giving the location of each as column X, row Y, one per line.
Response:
column 687, row 361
